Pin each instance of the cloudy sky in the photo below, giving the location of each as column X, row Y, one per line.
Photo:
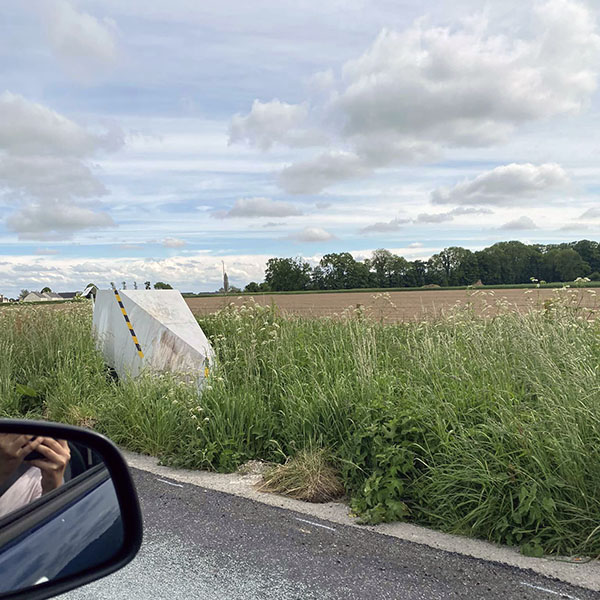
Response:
column 150, row 140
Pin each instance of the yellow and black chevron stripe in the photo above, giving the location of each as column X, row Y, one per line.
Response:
column 128, row 322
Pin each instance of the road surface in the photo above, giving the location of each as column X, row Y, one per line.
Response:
column 203, row 544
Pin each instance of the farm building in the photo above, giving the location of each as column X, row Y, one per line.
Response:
column 41, row 297
column 49, row 296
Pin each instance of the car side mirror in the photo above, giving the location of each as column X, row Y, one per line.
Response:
column 69, row 512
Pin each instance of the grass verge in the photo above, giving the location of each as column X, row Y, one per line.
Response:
column 484, row 427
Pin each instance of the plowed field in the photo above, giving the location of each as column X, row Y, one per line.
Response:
column 400, row 306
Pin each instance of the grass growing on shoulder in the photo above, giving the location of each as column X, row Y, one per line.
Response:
column 51, row 369
column 489, row 428
column 484, row 427
column 308, row 476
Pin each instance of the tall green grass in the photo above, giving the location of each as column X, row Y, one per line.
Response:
column 484, row 427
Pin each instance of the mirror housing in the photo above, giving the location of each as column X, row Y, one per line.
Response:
column 16, row 524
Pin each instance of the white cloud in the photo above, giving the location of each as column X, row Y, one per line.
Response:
column 30, row 128
column 84, row 43
column 187, row 273
column 312, row 234
column 398, row 223
column 591, row 213
column 386, row 148
column 273, row 122
column 433, row 217
column 322, row 82
column 470, row 210
column 506, row 185
column 465, row 86
column 173, row 243
column 44, row 171
column 415, row 245
column 312, row 175
column 416, row 92
column 386, row 226
column 55, row 220
column 574, row 227
column 449, row 216
column 46, row 252
column 259, row 207
column 48, row 177
column 520, row 224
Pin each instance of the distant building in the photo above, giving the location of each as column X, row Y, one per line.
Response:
column 42, row 297
column 3, row 299
column 35, row 297
column 50, row 296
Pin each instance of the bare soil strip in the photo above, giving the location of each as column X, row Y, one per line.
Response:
column 400, row 306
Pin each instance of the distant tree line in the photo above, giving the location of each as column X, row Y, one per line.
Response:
column 503, row 263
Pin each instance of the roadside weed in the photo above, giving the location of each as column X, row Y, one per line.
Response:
column 488, row 427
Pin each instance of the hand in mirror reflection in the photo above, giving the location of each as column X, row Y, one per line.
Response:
column 29, row 467
column 55, row 456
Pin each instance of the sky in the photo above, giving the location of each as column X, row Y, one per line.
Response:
column 152, row 140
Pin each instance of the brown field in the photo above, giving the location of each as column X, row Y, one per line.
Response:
column 401, row 306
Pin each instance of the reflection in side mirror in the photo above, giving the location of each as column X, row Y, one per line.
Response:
column 32, row 466
column 68, row 511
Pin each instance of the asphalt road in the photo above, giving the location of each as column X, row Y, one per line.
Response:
column 202, row 544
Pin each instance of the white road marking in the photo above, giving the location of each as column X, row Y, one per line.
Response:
column 541, row 589
column 315, row 524
column 169, row 483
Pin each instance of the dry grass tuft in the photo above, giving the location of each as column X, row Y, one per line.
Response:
column 308, row 476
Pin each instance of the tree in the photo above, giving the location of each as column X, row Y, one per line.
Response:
column 24, row 293
column 147, row 285
column 284, row 274
column 513, row 262
column 135, row 285
column 161, row 285
column 252, row 287
column 45, row 290
column 415, row 274
column 317, row 279
column 380, row 267
column 589, row 252
column 399, row 267
column 123, row 285
column 454, row 266
column 341, row 271
column 569, row 265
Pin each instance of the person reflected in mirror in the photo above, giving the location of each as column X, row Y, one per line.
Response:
column 29, row 467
